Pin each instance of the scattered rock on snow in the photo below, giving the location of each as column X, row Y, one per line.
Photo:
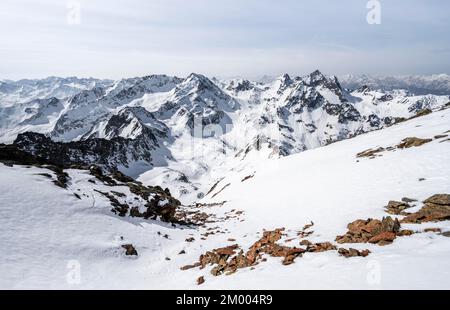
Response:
column 321, row 247
column 440, row 136
column 305, row 243
column 371, row 230
column 405, row 232
column 383, row 238
column 228, row 260
column 397, row 207
column 446, row 234
column 435, row 230
column 130, row 250
column 437, row 208
column 353, row 252
column 200, row 280
column 371, row 153
column 412, row 142
column 408, row 200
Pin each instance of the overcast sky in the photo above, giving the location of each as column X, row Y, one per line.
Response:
column 223, row 38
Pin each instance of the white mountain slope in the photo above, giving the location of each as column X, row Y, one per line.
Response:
column 44, row 227
column 239, row 121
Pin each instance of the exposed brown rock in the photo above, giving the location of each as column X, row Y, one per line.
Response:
column 370, row 152
column 437, row 208
column 226, row 261
column 130, row 250
column 397, row 207
column 305, row 242
column 200, row 280
column 305, row 232
column 435, row 230
column 362, row 231
column 440, row 136
column 229, row 250
column 321, row 247
column 353, row 252
column 405, row 232
column 383, row 238
column 221, row 190
column 423, row 112
column 446, row 234
column 247, row 178
column 440, row 199
column 187, row 267
column 412, row 142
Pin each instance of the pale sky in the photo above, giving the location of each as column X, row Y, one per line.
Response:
column 250, row 38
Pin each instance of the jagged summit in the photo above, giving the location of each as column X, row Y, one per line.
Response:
column 187, row 132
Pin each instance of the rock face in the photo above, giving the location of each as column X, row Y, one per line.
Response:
column 159, row 203
column 374, row 231
column 437, row 208
column 107, row 153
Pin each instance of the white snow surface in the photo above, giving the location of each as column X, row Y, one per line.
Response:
column 45, row 229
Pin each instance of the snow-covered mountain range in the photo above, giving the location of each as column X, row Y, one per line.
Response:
column 371, row 212
column 438, row 84
column 28, row 89
column 189, row 133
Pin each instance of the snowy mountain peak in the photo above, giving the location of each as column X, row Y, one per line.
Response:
column 152, row 125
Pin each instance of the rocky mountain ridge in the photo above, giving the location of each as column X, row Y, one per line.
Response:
column 186, row 133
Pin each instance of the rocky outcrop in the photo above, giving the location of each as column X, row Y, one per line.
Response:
column 103, row 152
column 397, row 207
column 437, row 208
column 374, row 231
column 412, row 142
column 130, row 250
column 353, row 252
column 228, row 260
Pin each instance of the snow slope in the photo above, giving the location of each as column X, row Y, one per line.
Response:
column 185, row 134
column 44, row 227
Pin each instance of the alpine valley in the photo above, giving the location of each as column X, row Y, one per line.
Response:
column 167, row 182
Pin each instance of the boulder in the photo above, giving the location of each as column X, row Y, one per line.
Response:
column 353, row 252
column 371, row 230
column 397, row 207
column 437, row 208
column 130, row 250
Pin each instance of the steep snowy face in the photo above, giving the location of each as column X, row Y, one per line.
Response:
column 12, row 92
column 196, row 99
column 88, row 108
column 130, row 123
column 300, row 113
column 190, row 132
column 314, row 110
